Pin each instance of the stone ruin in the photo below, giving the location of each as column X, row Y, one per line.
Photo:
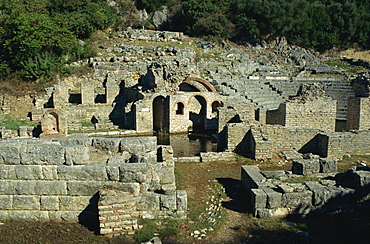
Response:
column 271, row 194
column 89, row 180
column 171, row 89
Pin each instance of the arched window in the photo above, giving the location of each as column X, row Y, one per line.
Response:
column 180, row 108
column 215, row 106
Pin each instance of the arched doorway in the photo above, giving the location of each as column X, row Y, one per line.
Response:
column 198, row 113
column 160, row 114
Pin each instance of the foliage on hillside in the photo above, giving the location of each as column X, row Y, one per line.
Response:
column 39, row 36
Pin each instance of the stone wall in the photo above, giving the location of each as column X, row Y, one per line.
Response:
column 358, row 114
column 267, row 141
column 344, row 143
column 60, row 179
column 312, row 114
column 271, row 197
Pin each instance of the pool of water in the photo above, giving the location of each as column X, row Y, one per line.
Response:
column 187, row 145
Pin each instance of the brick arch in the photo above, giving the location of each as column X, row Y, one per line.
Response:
column 203, row 83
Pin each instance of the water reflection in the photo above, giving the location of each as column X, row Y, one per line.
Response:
column 187, row 145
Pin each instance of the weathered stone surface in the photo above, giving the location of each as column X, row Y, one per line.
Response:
column 77, row 155
column 251, row 177
column 74, row 203
column 135, row 172
column 274, row 174
column 90, row 188
column 7, row 172
column 26, row 203
column 10, row 154
column 29, row 172
column 181, row 200
column 50, row 172
column 306, row 166
column 8, row 187
column 113, row 172
column 168, row 202
column 6, row 202
column 107, row 144
column 328, row 165
column 49, row 203
column 25, row 215
column 273, row 197
column 64, row 216
column 56, row 188
column 42, row 154
column 25, row 187
column 258, row 199
column 76, row 140
column 137, row 145
column 88, row 172
column 271, row 213
column 297, row 199
column 149, row 201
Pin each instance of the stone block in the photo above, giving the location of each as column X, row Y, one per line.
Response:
column 111, row 145
column 7, row 172
column 8, row 187
column 76, row 140
column 113, row 172
column 168, row 202
column 272, row 213
column 274, row 174
column 10, row 154
column 168, row 189
column 148, row 201
column 251, row 177
column 133, row 172
column 49, row 172
column 4, row 216
column 273, row 197
column 306, row 166
column 55, row 188
column 38, row 216
column 64, row 216
column 88, row 172
column 258, row 199
column 26, row 202
column 25, row 187
column 28, row 172
column 297, row 199
column 74, row 203
column 165, row 171
column 136, row 145
column 77, row 155
column 328, row 165
column 90, row 188
column 42, row 154
column 181, row 200
column 6, row 202
column 49, row 203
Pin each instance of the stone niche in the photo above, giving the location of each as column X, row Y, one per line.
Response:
column 53, row 124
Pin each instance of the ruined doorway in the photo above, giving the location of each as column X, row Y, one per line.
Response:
column 198, row 113
column 160, row 114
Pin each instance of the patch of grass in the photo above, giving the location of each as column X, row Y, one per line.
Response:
column 147, row 232
column 179, row 178
column 13, row 124
column 87, row 123
column 164, row 227
column 302, row 179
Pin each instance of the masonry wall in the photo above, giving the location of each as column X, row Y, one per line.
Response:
column 358, row 113
column 268, row 141
column 60, row 180
column 344, row 143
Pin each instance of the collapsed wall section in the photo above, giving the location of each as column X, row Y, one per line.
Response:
column 60, row 180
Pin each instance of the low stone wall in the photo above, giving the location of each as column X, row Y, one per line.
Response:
column 270, row 197
column 60, row 179
column 338, row 144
